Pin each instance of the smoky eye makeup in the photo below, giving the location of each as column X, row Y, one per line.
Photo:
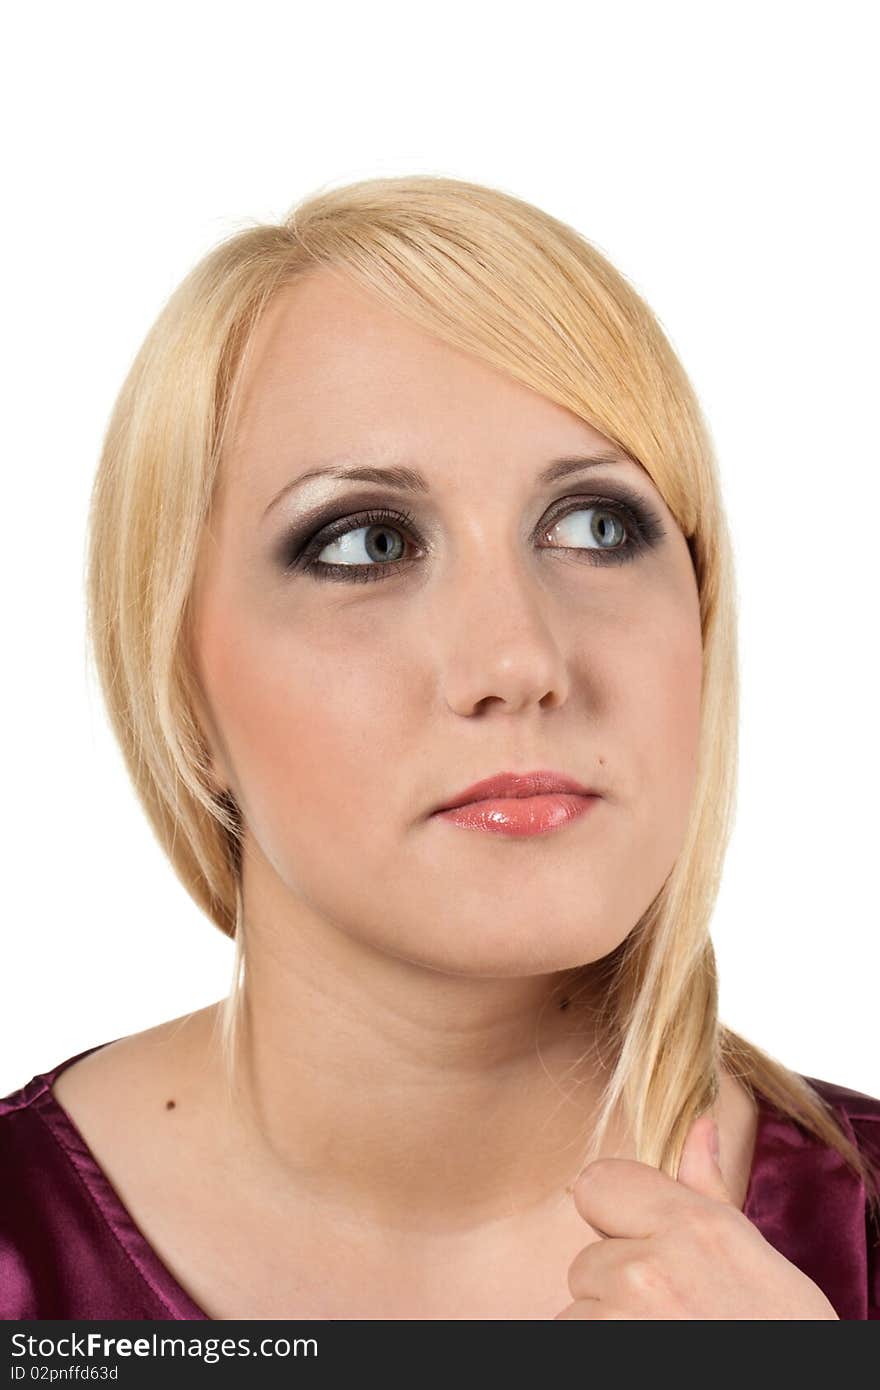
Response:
column 627, row 522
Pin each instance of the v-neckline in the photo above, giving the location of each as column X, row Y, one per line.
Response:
column 151, row 1268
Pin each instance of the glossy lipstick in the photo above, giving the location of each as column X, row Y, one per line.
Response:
column 519, row 804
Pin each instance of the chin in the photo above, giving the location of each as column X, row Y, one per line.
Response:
column 515, row 953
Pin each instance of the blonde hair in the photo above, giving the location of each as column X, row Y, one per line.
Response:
column 494, row 276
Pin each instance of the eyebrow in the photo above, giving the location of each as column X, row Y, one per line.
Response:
column 405, row 479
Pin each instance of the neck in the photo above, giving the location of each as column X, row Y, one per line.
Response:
column 417, row 1100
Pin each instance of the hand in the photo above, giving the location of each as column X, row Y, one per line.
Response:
column 679, row 1249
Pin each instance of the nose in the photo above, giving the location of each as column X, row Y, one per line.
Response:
column 496, row 644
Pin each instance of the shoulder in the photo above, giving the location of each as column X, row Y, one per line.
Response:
column 87, row 1099
column 73, row 1142
column 857, row 1111
column 137, row 1104
column 855, row 1217
column 111, row 1084
column 810, row 1202
column 41, row 1194
column 855, row 1104
column 24, row 1125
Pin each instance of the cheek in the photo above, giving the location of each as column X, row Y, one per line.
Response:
column 659, row 710
column 308, row 725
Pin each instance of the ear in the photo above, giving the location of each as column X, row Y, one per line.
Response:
column 699, row 1168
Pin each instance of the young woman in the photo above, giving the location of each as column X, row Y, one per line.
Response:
column 412, row 598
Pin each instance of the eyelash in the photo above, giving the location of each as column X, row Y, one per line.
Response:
column 642, row 524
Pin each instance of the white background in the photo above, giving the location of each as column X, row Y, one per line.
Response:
column 724, row 158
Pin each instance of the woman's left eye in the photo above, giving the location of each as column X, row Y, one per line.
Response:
column 605, row 526
column 608, row 532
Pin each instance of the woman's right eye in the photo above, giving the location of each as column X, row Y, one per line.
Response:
column 380, row 536
column 379, row 542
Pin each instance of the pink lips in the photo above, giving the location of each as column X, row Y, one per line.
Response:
column 519, row 803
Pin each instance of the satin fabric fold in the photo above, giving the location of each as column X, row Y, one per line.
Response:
column 70, row 1249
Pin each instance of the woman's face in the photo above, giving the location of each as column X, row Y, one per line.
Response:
column 503, row 632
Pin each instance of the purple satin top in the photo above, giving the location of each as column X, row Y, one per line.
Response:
column 70, row 1249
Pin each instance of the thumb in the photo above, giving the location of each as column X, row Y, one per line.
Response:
column 700, row 1169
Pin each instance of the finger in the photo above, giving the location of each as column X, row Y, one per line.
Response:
column 622, row 1197
column 609, row 1268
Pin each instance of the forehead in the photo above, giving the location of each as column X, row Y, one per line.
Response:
column 332, row 370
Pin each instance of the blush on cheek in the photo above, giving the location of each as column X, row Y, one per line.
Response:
column 676, row 729
column 310, row 738
column 654, row 713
